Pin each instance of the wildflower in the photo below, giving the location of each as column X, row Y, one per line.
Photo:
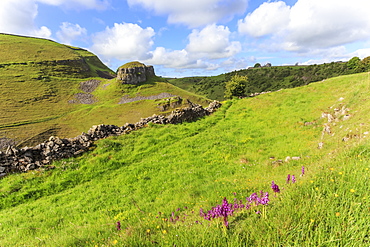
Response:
column 302, row 171
column 337, row 214
column 336, row 195
column 288, row 179
column 352, row 190
column 340, row 173
column 118, row 225
column 164, row 231
column 258, row 212
column 224, row 210
column 115, row 242
column 293, row 179
column 275, row 187
column 148, row 230
column 312, row 220
column 331, row 169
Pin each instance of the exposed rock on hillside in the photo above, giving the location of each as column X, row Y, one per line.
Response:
column 134, row 73
column 126, row 99
column 89, row 86
column 83, row 98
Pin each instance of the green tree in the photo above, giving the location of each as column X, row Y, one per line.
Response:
column 353, row 64
column 236, row 86
column 366, row 63
column 257, row 65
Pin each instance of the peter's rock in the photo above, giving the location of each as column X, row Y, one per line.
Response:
column 134, row 73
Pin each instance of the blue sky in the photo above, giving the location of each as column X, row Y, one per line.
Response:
column 198, row 37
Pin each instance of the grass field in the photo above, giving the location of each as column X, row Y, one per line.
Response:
column 155, row 181
column 39, row 78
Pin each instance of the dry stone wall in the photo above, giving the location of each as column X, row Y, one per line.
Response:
column 30, row 158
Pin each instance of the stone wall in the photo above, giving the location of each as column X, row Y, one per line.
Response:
column 30, row 158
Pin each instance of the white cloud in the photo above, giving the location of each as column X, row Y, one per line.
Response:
column 210, row 43
column 194, row 13
column 73, row 4
column 18, row 16
column 310, row 24
column 270, row 17
column 172, row 59
column 213, row 42
column 69, row 32
column 124, row 41
column 361, row 53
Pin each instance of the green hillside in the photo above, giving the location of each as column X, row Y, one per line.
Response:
column 42, row 93
column 263, row 79
column 155, row 181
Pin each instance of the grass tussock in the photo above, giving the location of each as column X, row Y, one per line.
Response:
column 155, row 181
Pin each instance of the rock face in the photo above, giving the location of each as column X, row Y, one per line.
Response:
column 134, row 73
column 30, row 158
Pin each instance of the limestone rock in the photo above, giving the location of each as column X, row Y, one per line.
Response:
column 134, row 73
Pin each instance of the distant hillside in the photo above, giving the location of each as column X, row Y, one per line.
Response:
column 261, row 79
column 47, row 88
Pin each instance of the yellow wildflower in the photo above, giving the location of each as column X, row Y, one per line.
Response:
column 352, row 190
column 337, row 214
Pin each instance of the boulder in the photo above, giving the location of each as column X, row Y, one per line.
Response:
column 134, row 73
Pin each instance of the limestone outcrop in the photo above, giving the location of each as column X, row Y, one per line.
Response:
column 134, row 73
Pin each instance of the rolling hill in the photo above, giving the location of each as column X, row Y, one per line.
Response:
column 47, row 88
column 160, row 185
column 272, row 78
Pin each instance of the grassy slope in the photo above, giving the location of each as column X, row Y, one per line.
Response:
column 182, row 168
column 35, row 87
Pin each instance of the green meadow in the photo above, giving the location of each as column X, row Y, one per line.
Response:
column 40, row 78
column 154, row 181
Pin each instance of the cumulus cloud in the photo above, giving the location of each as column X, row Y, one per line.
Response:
column 125, row 41
column 205, row 46
column 194, row 13
column 270, row 17
column 173, row 58
column 213, row 42
column 310, row 24
column 18, row 16
column 69, row 32
column 73, row 4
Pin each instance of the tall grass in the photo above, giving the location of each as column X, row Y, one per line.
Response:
column 143, row 179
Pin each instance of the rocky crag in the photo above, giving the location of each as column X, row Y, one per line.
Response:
column 31, row 158
column 134, row 73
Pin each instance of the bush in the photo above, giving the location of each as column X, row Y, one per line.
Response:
column 236, row 86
